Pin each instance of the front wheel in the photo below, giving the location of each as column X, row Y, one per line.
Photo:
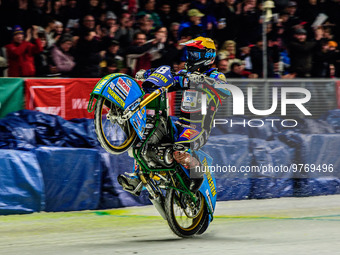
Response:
column 184, row 217
column 113, row 137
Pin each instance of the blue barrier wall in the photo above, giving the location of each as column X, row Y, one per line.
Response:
column 48, row 163
column 72, row 178
column 21, row 183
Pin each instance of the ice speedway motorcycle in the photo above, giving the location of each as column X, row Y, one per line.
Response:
column 125, row 117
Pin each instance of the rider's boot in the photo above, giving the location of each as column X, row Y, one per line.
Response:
column 190, row 162
column 130, row 183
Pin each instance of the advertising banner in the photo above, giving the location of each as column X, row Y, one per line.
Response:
column 11, row 95
column 67, row 98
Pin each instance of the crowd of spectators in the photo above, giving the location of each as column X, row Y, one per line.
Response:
column 92, row 38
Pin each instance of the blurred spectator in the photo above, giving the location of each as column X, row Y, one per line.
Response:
column 88, row 55
column 244, row 55
column 88, row 22
column 225, row 13
column 333, row 46
column 256, row 57
column 223, row 66
column 180, row 14
column 149, row 9
column 93, row 7
column 115, row 5
column 49, row 27
column 110, row 67
column 222, row 20
column 235, row 71
column 301, row 53
column 70, row 16
column 309, row 11
column 109, row 32
column 113, row 57
column 43, row 62
column 322, row 59
column 36, row 13
column 21, row 51
column 62, row 57
column 228, row 50
column 173, row 33
column 194, row 23
column 256, row 53
column 145, row 25
column 125, row 31
column 140, row 54
column 110, row 19
column 58, row 31
column 165, row 14
column 332, row 10
column 56, row 10
column 3, row 62
column 249, row 22
column 169, row 54
column 209, row 22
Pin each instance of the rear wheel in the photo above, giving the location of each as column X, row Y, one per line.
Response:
column 114, row 137
column 185, row 218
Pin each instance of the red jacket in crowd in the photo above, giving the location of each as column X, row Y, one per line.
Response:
column 21, row 58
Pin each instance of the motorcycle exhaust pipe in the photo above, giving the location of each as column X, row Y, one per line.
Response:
column 158, row 205
column 155, row 200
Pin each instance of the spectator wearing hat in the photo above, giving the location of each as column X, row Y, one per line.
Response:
column 112, row 56
column 110, row 19
column 21, row 51
column 293, row 21
column 113, row 62
column 149, row 9
column 194, row 23
column 62, row 56
column 109, row 30
column 301, row 54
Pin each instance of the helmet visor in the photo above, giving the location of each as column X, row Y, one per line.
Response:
column 195, row 55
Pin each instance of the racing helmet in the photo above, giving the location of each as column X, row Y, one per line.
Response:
column 201, row 52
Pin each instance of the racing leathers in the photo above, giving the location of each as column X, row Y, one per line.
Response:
column 202, row 95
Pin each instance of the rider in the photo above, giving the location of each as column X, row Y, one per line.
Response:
column 193, row 127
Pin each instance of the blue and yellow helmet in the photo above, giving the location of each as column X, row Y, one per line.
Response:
column 201, row 52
